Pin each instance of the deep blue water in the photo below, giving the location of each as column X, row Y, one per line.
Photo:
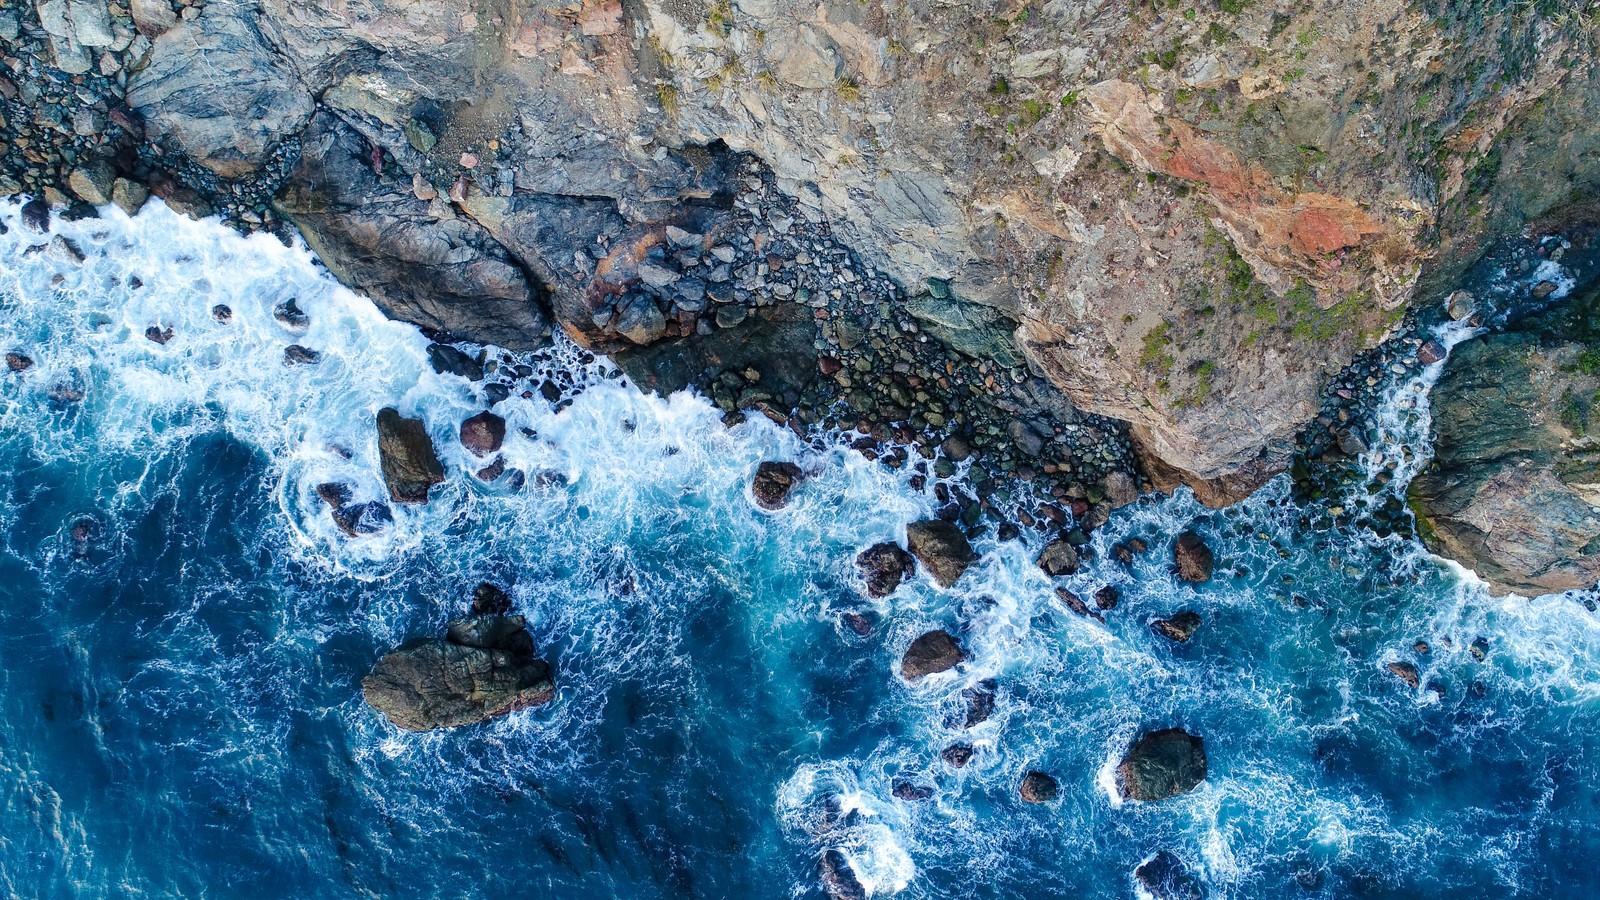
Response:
column 183, row 632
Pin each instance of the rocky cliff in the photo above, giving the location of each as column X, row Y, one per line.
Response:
column 1183, row 217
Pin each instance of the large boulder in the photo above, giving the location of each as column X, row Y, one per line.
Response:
column 1059, row 557
column 213, row 88
column 1515, row 483
column 936, row 651
column 1037, row 787
column 1162, row 764
column 410, row 465
column 883, row 567
column 484, row 433
column 484, row 667
column 773, row 482
column 942, row 548
column 839, row 881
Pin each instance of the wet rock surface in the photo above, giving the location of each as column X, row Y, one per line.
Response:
column 942, row 549
column 484, row 667
column 883, row 567
column 405, row 451
column 773, row 483
column 1162, row 764
column 1512, row 491
column 1037, row 787
column 1179, row 627
column 931, row 653
column 1194, row 560
column 484, row 433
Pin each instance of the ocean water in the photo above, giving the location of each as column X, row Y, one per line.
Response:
column 183, row 631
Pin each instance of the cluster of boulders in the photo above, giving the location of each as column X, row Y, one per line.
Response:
column 1193, row 562
column 485, row 666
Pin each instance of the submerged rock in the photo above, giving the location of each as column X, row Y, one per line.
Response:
column 1059, row 557
column 361, row 519
column 773, row 482
column 484, row 668
column 484, row 433
column 18, row 362
column 980, row 701
column 447, row 360
column 883, row 567
column 911, row 792
column 1037, row 787
column 1180, row 626
column 936, row 651
column 1193, row 558
column 1162, row 764
column 942, row 548
column 1165, row 877
column 490, row 600
column 839, row 881
column 1075, row 603
column 36, row 215
column 410, row 466
column 957, row 755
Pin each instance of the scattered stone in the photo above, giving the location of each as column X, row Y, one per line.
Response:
column 158, row 334
column 129, row 196
column 942, row 548
column 957, row 755
column 1180, row 627
column 1162, row 764
column 291, row 317
column 18, row 362
column 36, row 215
column 1164, row 877
column 1431, row 352
column 484, row 433
column 1106, row 597
column 934, row 652
column 92, row 181
column 1119, row 489
column 484, row 668
column 1406, row 672
column 1461, row 305
column 1543, row 289
column 1194, row 559
column 1037, row 787
column 410, row 466
column 1058, row 558
column 447, row 360
column 980, row 703
column 1479, row 649
column 222, row 313
column 1422, row 648
column 883, row 567
column 296, row 355
column 773, row 482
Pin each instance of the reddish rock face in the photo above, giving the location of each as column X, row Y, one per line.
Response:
column 483, row 433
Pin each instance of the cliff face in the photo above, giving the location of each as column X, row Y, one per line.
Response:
column 1183, row 217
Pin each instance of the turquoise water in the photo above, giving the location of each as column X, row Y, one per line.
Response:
column 183, row 631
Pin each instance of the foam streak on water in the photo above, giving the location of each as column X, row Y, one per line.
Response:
column 184, row 630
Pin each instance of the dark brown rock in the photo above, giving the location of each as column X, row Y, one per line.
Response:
column 484, row 433
column 362, row 519
column 957, row 755
column 883, row 567
column 1430, row 352
column 158, row 334
column 1037, row 787
column 296, row 355
column 1075, row 603
column 410, row 466
column 857, row 623
column 493, row 470
column 773, row 482
column 942, row 548
column 936, row 651
column 1406, row 672
column 1106, row 597
column 1193, row 557
column 485, row 668
column 18, row 362
column 334, row 493
column 1162, row 764
column 1058, row 558
column 980, row 703
column 911, row 792
column 222, row 313
column 1180, row 626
